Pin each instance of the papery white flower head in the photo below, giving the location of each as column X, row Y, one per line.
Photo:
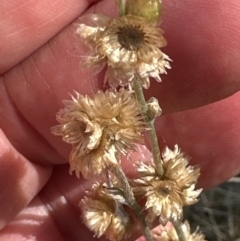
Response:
column 99, row 128
column 163, row 200
column 129, row 45
column 167, row 194
column 176, row 167
column 169, row 233
column 103, row 214
column 163, row 197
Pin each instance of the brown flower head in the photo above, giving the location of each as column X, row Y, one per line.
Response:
column 105, row 215
column 99, row 128
column 176, row 167
column 164, row 199
column 129, row 45
column 169, row 233
column 167, row 194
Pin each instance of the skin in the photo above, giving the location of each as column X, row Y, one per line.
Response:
column 39, row 66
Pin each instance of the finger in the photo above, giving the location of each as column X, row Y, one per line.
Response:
column 203, row 42
column 20, row 180
column 62, row 196
column 210, row 135
column 47, row 77
column 50, row 82
column 22, row 135
column 26, row 25
column 54, row 215
column 213, row 74
column 33, row 223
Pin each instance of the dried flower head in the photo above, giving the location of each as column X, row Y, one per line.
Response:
column 99, row 128
column 176, row 167
column 167, row 194
column 154, row 109
column 169, row 233
column 105, row 215
column 164, row 199
column 129, row 45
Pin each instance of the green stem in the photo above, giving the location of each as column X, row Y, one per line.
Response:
column 150, row 126
column 179, row 231
column 128, row 194
column 121, row 7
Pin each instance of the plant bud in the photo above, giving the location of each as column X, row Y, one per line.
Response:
column 154, row 109
column 149, row 9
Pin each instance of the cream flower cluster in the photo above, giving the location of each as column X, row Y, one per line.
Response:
column 167, row 194
column 99, row 129
column 104, row 213
column 110, row 124
column 129, row 46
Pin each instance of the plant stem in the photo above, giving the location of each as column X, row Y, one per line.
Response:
column 179, row 231
column 150, row 124
column 128, row 194
column 121, row 7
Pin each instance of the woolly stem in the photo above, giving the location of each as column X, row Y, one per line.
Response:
column 128, row 194
column 150, row 124
column 179, row 231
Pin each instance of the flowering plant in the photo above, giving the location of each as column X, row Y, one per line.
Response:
column 103, row 127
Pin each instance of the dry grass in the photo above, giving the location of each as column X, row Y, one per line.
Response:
column 218, row 212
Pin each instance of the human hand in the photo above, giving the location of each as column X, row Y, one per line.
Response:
column 39, row 67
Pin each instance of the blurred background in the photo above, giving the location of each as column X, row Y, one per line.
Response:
column 217, row 213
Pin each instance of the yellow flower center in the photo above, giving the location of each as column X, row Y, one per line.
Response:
column 130, row 37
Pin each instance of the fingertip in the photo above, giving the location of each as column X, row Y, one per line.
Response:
column 20, row 180
column 26, row 25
